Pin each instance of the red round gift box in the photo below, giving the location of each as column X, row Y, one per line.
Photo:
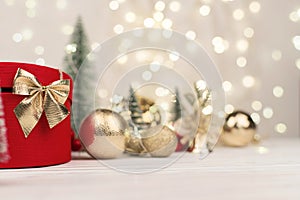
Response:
column 44, row 146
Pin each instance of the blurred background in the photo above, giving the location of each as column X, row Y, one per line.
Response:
column 255, row 44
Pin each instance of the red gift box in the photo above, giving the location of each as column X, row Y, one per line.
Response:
column 44, row 146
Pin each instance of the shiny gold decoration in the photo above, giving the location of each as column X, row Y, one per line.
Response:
column 102, row 134
column 159, row 141
column 133, row 145
column 145, row 103
column 204, row 100
column 50, row 98
column 239, row 129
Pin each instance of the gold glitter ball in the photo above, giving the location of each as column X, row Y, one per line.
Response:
column 102, row 134
column 239, row 129
column 159, row 141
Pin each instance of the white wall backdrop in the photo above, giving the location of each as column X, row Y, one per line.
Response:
column 255, row 44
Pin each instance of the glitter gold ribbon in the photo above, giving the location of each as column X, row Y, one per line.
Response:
column 50, row 98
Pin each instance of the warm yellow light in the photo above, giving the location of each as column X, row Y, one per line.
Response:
column 242, row 45
column 67, row 29
column 256, row 105
column 190, row 35
column 149, row 22
column 280, row 128
column 297, row 62
column 118, row 29
column 27, row 34
column 17, row 37
column 174, row 56
column 204, row 10
column 159, row 6
column 114, row 5
column 61, row 4
column 241, row 61
column 147, row 75
column 238, row 14
column 248, row 81
column 268, row 112
column 39, row 50
column 167, row 23
column 254, row 7
column 255, row 117
column 130, row 17
column 30, row 4
column 278, row 91
column 228, row 108
column 174, row 6
column 248, row 32
column 296, row 41
column 158, row 16
column 31, row 13
column 227, row 86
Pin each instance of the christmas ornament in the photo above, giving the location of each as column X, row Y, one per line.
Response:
column 143, row 111
column 238, row 130
column 50, row 99
column 204, row 102
column 145, row 103
column 136, row 112
column 75, row 143
column 102, row 134
column 3, row 138
column 134, row 145
column 159, row 141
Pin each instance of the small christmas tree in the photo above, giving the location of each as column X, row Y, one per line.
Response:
column 76, row 50
column 76, row 53
column 136, row 111
column 175, row 108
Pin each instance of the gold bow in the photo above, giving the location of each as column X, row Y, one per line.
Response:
column 50, row 98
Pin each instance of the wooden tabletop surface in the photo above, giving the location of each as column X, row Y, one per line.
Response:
column 269, row 170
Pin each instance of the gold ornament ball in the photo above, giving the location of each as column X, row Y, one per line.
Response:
column 102, row 134
column 239, row 130
column 133, row 145
column 159, row 141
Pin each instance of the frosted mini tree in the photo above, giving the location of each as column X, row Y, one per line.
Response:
column 136, row 112
column 174, row 111
column 76, row 52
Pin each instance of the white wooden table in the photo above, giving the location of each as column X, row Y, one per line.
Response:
column 270, row 170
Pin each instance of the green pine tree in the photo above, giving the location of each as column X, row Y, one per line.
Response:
column 76, row 53
column 175, row 108
column 77, row 50
column 136, row 112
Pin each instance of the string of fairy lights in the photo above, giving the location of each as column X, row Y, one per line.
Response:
column 159, row 18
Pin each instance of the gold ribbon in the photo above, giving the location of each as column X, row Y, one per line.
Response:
column 50, row 98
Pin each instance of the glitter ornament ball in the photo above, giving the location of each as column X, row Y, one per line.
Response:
column 133, row 144
column 159, row 141
column 239, row 129
column 102, row 134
